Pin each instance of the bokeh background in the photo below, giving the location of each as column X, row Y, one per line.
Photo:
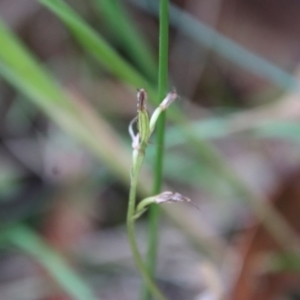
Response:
column 69, row 71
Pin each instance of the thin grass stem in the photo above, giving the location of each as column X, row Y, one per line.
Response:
column 153, row 230
column 131, row 229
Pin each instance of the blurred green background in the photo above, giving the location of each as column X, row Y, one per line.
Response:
column 69, row 71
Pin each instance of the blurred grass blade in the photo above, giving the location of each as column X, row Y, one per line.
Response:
column 19, row 68
column 23, row 70
column 225, row 47
column 205, row 129
column 158, row 169
column 216, row 128
column 29, row 241
column 94, row 44
column 289, row 131
column 137, row 48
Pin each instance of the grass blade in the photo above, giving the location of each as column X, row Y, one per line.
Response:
column 29, row 241
column 136, row 46
column 19, row 68
column 95, row 44
column 153, row 230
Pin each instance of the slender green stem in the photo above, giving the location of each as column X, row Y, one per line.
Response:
column 158, row 166
column 142, row 206
column 131, row 229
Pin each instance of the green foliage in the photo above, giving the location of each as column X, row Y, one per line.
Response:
column 132, row 40
column 21, row 69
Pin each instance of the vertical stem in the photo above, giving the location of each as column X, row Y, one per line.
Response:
column 131, row 230
column 158, row 167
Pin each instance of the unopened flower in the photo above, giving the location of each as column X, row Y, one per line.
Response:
column 168, row 196
column 165, row 197
column 142, row 97
column 170, row 98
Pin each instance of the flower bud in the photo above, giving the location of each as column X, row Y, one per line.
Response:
column 170, row 98
column 142, row 98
